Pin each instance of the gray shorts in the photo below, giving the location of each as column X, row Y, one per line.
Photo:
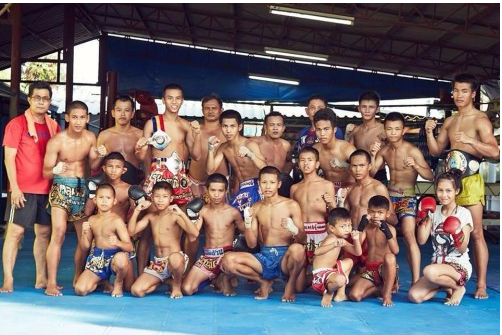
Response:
column 34, row 211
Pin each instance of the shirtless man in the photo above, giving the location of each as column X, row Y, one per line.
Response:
column 370, row 131
column 219, row 220
column 361, row 192
column 316, row 197
column 176, row 139
column 243, row 155
column 333, row 153
column 277, row 151
column 307, row 136
column 122, row 138
column 173, row 140
column 364, row 188
column 64, row 162
column 212, row 107
column 470, row 135
column 405, row 162
column 274, row 223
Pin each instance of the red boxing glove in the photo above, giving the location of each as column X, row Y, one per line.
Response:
column 421, row 217
column 426, row 206
column 452, row 226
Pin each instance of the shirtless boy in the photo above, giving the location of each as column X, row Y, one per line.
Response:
column 167, row 223
column 331, row 274
column 168, row 140
column 364, row 189
column 277, row 151
column 380, row 276
column 370, row 131
column 65, row 163
column 333, row 153
column 274, row 223
column 470, row 135
column 219, row 220
column 111, row 246
column 113, row 168
column 212, row 107
column 405, row 162
column 316, row 196
column 243, row 155
column 122, row 138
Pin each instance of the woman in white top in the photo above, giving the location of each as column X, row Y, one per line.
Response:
column 449, row 226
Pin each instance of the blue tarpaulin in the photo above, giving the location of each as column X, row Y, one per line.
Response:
column 148, row 66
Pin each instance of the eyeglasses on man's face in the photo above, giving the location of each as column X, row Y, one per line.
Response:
column 38, row 98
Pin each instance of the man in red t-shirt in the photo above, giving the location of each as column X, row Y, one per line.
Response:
column 25, row 141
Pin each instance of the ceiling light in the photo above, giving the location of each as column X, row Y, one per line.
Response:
column 280, row 80
column 296, row 54
column 310, row 15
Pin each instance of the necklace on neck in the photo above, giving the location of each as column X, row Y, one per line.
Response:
column 454, row 210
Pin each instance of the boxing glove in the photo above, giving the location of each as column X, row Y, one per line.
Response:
column 363, row 223
column 384, row 227
column 93, row 182
column 452, row 226
column 425, row 206
column 193, row 208
column 136, row 193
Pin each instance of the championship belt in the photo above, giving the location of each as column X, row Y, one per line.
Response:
column 467, row 163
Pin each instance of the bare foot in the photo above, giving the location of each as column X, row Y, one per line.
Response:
column 340, row 297
column 326, row 299
column 289, row 293
column 456, row 297
column 270, row 290
column 229, row 293
column 107, row 287
column 7, row 288
column 387, row 302
column 264, row 290
column 234, row 281
column 226, row 287
column 53, row 290
column 44, row 286
column 176, row 294
column 449, row 292
column 480, row 293
column 117, row 292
